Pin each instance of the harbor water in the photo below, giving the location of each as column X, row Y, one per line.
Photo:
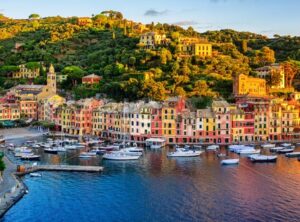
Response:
column 157, row 188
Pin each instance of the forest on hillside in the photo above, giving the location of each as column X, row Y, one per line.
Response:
column 109, row 47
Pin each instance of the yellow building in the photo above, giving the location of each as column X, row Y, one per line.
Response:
column 245, row 85
column 168, row 122
column 237, row 128
column 9, row 112
column 37, row 92
column 194, row 47
column 26, row 73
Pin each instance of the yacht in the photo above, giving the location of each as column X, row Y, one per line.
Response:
column 276, row 149
column 121, row 156
column 230, row 161
column 30, row 157
column 293, row 154
column 182, row 152
column 249, row 151
column 286, row 150
column 286, row 144
column 155, row 143
column 263, row 158
column 88, row 154
column 268, row 145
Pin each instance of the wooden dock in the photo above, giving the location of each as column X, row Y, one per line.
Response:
column 65, row 168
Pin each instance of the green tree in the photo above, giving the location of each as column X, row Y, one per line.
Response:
column 165, row 56
column 74, row 74
column 2, row 166
column 291, row 69
column 34, row 16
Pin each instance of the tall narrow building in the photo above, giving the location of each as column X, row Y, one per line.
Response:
column 51, row 79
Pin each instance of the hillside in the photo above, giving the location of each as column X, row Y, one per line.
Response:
column 108, row 46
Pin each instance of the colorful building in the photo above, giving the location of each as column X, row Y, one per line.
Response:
column 249, row 86
column 194, row 47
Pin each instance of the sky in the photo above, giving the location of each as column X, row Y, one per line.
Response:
column 267, row 17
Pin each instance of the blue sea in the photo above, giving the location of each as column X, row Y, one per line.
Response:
column 157, row 188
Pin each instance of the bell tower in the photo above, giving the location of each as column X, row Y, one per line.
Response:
column 51, row 79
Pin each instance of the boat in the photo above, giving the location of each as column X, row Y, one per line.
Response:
column 2, row 139
column 286, row 150
column 263, row 158
column 87, row 154
column 182, row 152
column 238, row 148
column 276, row 149
column 70, row 147
column 120, row 156
column 35, row 146
column 293, row 154
column 230, row 161
column 221, row 155
column 213, row 147
column 51, row 150
column 155, row 143
column 249, row 151
column 35, row 174
column 286, row 144
column 268, row 145
column 30, row 157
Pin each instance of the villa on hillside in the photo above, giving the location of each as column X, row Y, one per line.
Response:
column 194, row 47
column 151, row 40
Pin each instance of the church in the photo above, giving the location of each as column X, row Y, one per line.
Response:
column 37, row 92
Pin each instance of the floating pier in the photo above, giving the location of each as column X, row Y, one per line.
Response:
column 65, row 168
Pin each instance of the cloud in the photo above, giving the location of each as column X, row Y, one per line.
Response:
column 153, row 12
column 186, row 23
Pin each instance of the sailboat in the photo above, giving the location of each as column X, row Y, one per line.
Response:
column 129, row 153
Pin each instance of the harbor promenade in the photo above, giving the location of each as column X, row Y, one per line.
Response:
column 11, row 188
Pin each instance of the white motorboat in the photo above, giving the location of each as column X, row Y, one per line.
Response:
column 263, row 158
column 286, row 150
column 35, row 174
column 30, row 157
column 249, row 151
column 87, row 154
column 120, row 156
column 286, row 144
column 238, row 148
column 268, row 145
column 61, row 149
column 213, row 147
column 70, row 147
column 276, row 149
column 155, row 143
column 181, row 152
column 230, row 161
column 293, row 154
column 35, row 146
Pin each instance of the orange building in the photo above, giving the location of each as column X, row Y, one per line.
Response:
column 245, row 85
column 29, row 109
